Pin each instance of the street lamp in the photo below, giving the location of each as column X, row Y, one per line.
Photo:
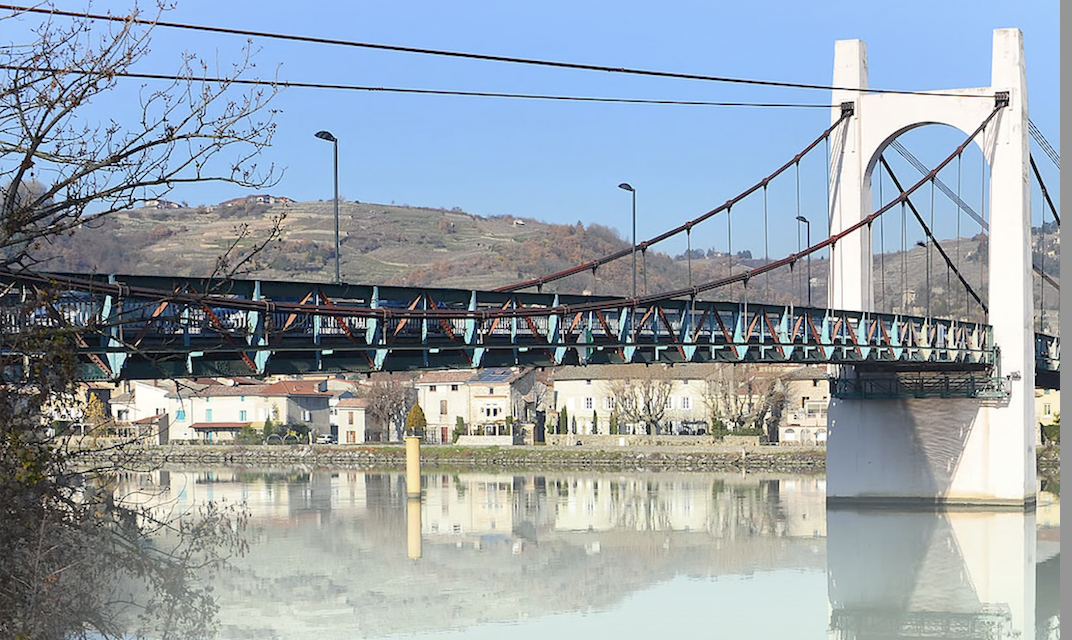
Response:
column 628, row 187
column 807, row 226
column 926, row 247
column 326, row 135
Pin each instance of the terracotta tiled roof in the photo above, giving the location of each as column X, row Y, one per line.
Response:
column 355, row 403
column 636, row 370
column 441, row 377
column 295, row 388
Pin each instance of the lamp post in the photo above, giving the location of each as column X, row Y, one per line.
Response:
column 926, row 247
column 807, row 226
column 326, row 135
column 628, row 187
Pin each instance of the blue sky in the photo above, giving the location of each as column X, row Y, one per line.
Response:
column 561, row 162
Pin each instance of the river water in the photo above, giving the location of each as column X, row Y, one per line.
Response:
column 345, row 554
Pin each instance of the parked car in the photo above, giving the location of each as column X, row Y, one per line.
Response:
column 325, row 438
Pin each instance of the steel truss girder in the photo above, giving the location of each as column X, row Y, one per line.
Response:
column 196, row 327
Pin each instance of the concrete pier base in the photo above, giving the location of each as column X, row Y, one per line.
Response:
column 929, row 451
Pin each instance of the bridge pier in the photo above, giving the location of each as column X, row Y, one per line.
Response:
column 942, row 450
column 927, row 452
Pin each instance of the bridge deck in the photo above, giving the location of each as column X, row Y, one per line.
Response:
column 151, row 327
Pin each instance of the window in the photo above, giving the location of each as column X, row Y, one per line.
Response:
column 686, row 403
column 453, row 387
column 1046, row 409
column 306, row 415
column 608, row 403
column 241, row 398
column 180, row 415
column 491, row 391
column 351, row 436
column 669, row 404
column 442, row 407
column 208, row 415
column 431, row 388
column 350, row 418
column 815, row 382
column 588, row 404
column 242, row 415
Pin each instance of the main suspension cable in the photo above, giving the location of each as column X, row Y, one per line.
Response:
column 845, row 113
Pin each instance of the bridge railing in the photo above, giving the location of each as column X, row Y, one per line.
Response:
column 130, row 326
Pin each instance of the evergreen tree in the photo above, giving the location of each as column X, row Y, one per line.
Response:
column 563, row 421
column 415, row 421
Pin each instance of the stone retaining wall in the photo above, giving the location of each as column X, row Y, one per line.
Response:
column 530, row 458
column 606, row 441
column 455, row 457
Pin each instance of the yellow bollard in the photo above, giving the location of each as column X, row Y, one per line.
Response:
column 413, row 528
column 413, row 466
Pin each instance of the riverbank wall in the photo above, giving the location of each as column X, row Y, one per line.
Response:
column 529, row 458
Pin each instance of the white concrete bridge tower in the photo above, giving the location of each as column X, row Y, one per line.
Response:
column 942, row 451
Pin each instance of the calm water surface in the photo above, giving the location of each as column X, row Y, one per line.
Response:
column 627, row 555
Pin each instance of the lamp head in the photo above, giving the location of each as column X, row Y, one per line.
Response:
column 626, row 186
column 803, row 219
column 326, row 135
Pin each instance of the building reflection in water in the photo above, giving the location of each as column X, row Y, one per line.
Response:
column 332, row 552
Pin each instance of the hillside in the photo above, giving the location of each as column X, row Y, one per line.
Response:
column 414, row 246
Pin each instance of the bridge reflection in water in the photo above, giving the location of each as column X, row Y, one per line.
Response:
column 528, row 555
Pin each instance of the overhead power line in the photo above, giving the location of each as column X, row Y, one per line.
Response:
column 468, row 55
column 438, row 92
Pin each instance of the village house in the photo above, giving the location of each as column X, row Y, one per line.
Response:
column 1047, row 410
column 590, row 397
column 692, row 399
column 482, row 400
column 350, row 416
column 217, row 409
column 807, row 398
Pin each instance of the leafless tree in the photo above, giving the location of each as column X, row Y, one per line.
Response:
column 388, row 403
column 739, row 397
column 78, row 561
column 64, row 165
column 641, row 396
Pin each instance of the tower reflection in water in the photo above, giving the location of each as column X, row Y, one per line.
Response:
column 954, row 574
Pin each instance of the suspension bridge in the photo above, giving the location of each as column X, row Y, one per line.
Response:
column 128, row 326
